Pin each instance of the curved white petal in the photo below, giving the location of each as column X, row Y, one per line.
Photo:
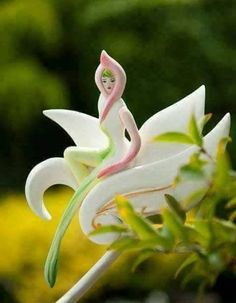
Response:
column 42, row 176
column 220, row 131
column 211, row 141
column 82, row 128
column 158, row 175
column 173, row 118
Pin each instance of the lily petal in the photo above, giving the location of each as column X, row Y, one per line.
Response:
column 211, row 140
column 172, row 118
column 157, row 175
column 44, row 175
column 83, row 129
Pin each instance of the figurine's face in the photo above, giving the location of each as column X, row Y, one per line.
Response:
column 108, row 83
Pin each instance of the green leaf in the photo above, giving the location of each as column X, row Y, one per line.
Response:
column 155, row 219
column 196, row 161
column 192, row 275
column 232, row 216
column 123, row 243
column 194, row 169
column 222, row 175
column 231, row 187
column 215, row 232
column 174, row 137
column 223, row 143
column 189, row 172
column 157, row 243
column 207, row 207
column 176, row 207
column 231, row 203
column 194, row 198
column 144, row 255
column 138, row 224
column 108, row 229
column 203, row 121
column 174, row 224
column 194, row 132
column 166, row 233
column 204, row 228
column 193, row 238
column 189, row 261
column 216, row 261
column 225, row 231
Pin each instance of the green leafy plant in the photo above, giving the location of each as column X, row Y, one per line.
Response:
column 204, row 231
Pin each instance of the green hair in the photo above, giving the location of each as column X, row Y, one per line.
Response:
column 107, row 73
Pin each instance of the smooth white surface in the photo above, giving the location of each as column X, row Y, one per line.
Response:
column 154, row 175
column 44, row 175
column 83, row 129
column 148, row 177
column 173, row 118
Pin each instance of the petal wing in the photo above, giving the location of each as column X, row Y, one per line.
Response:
column 153, row 178
column 172, row 118
column 47, row 173
column 83, row 129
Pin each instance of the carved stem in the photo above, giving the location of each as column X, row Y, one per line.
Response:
column 88, row 280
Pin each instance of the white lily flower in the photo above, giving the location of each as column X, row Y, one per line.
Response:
column 104, row 163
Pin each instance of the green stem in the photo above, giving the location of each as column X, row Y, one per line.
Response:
column 50, row 269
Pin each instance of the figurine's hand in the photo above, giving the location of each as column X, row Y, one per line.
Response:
column 129, row 123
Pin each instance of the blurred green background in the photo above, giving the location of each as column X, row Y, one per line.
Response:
column 49, row 50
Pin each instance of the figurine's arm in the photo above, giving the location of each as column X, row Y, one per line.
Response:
column 130, row 125
column 108, row 62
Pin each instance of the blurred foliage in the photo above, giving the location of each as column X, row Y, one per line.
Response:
column 206, row 230
column 50, row 50
column 27, row 28
column 24, row 243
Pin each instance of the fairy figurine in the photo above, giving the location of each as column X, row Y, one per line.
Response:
column 105, row 162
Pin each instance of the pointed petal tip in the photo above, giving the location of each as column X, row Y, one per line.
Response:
column 227, row 119
column 198, row 99
column 202, row 87
column 45, row 111
column 103, row 52
column 104, row 58
column 49, row 112
column 36, row 205
column 228, row 116
column 44, row 175
column 46, row 216
column 201, row 91
column 38, row 208
column 43, row 213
